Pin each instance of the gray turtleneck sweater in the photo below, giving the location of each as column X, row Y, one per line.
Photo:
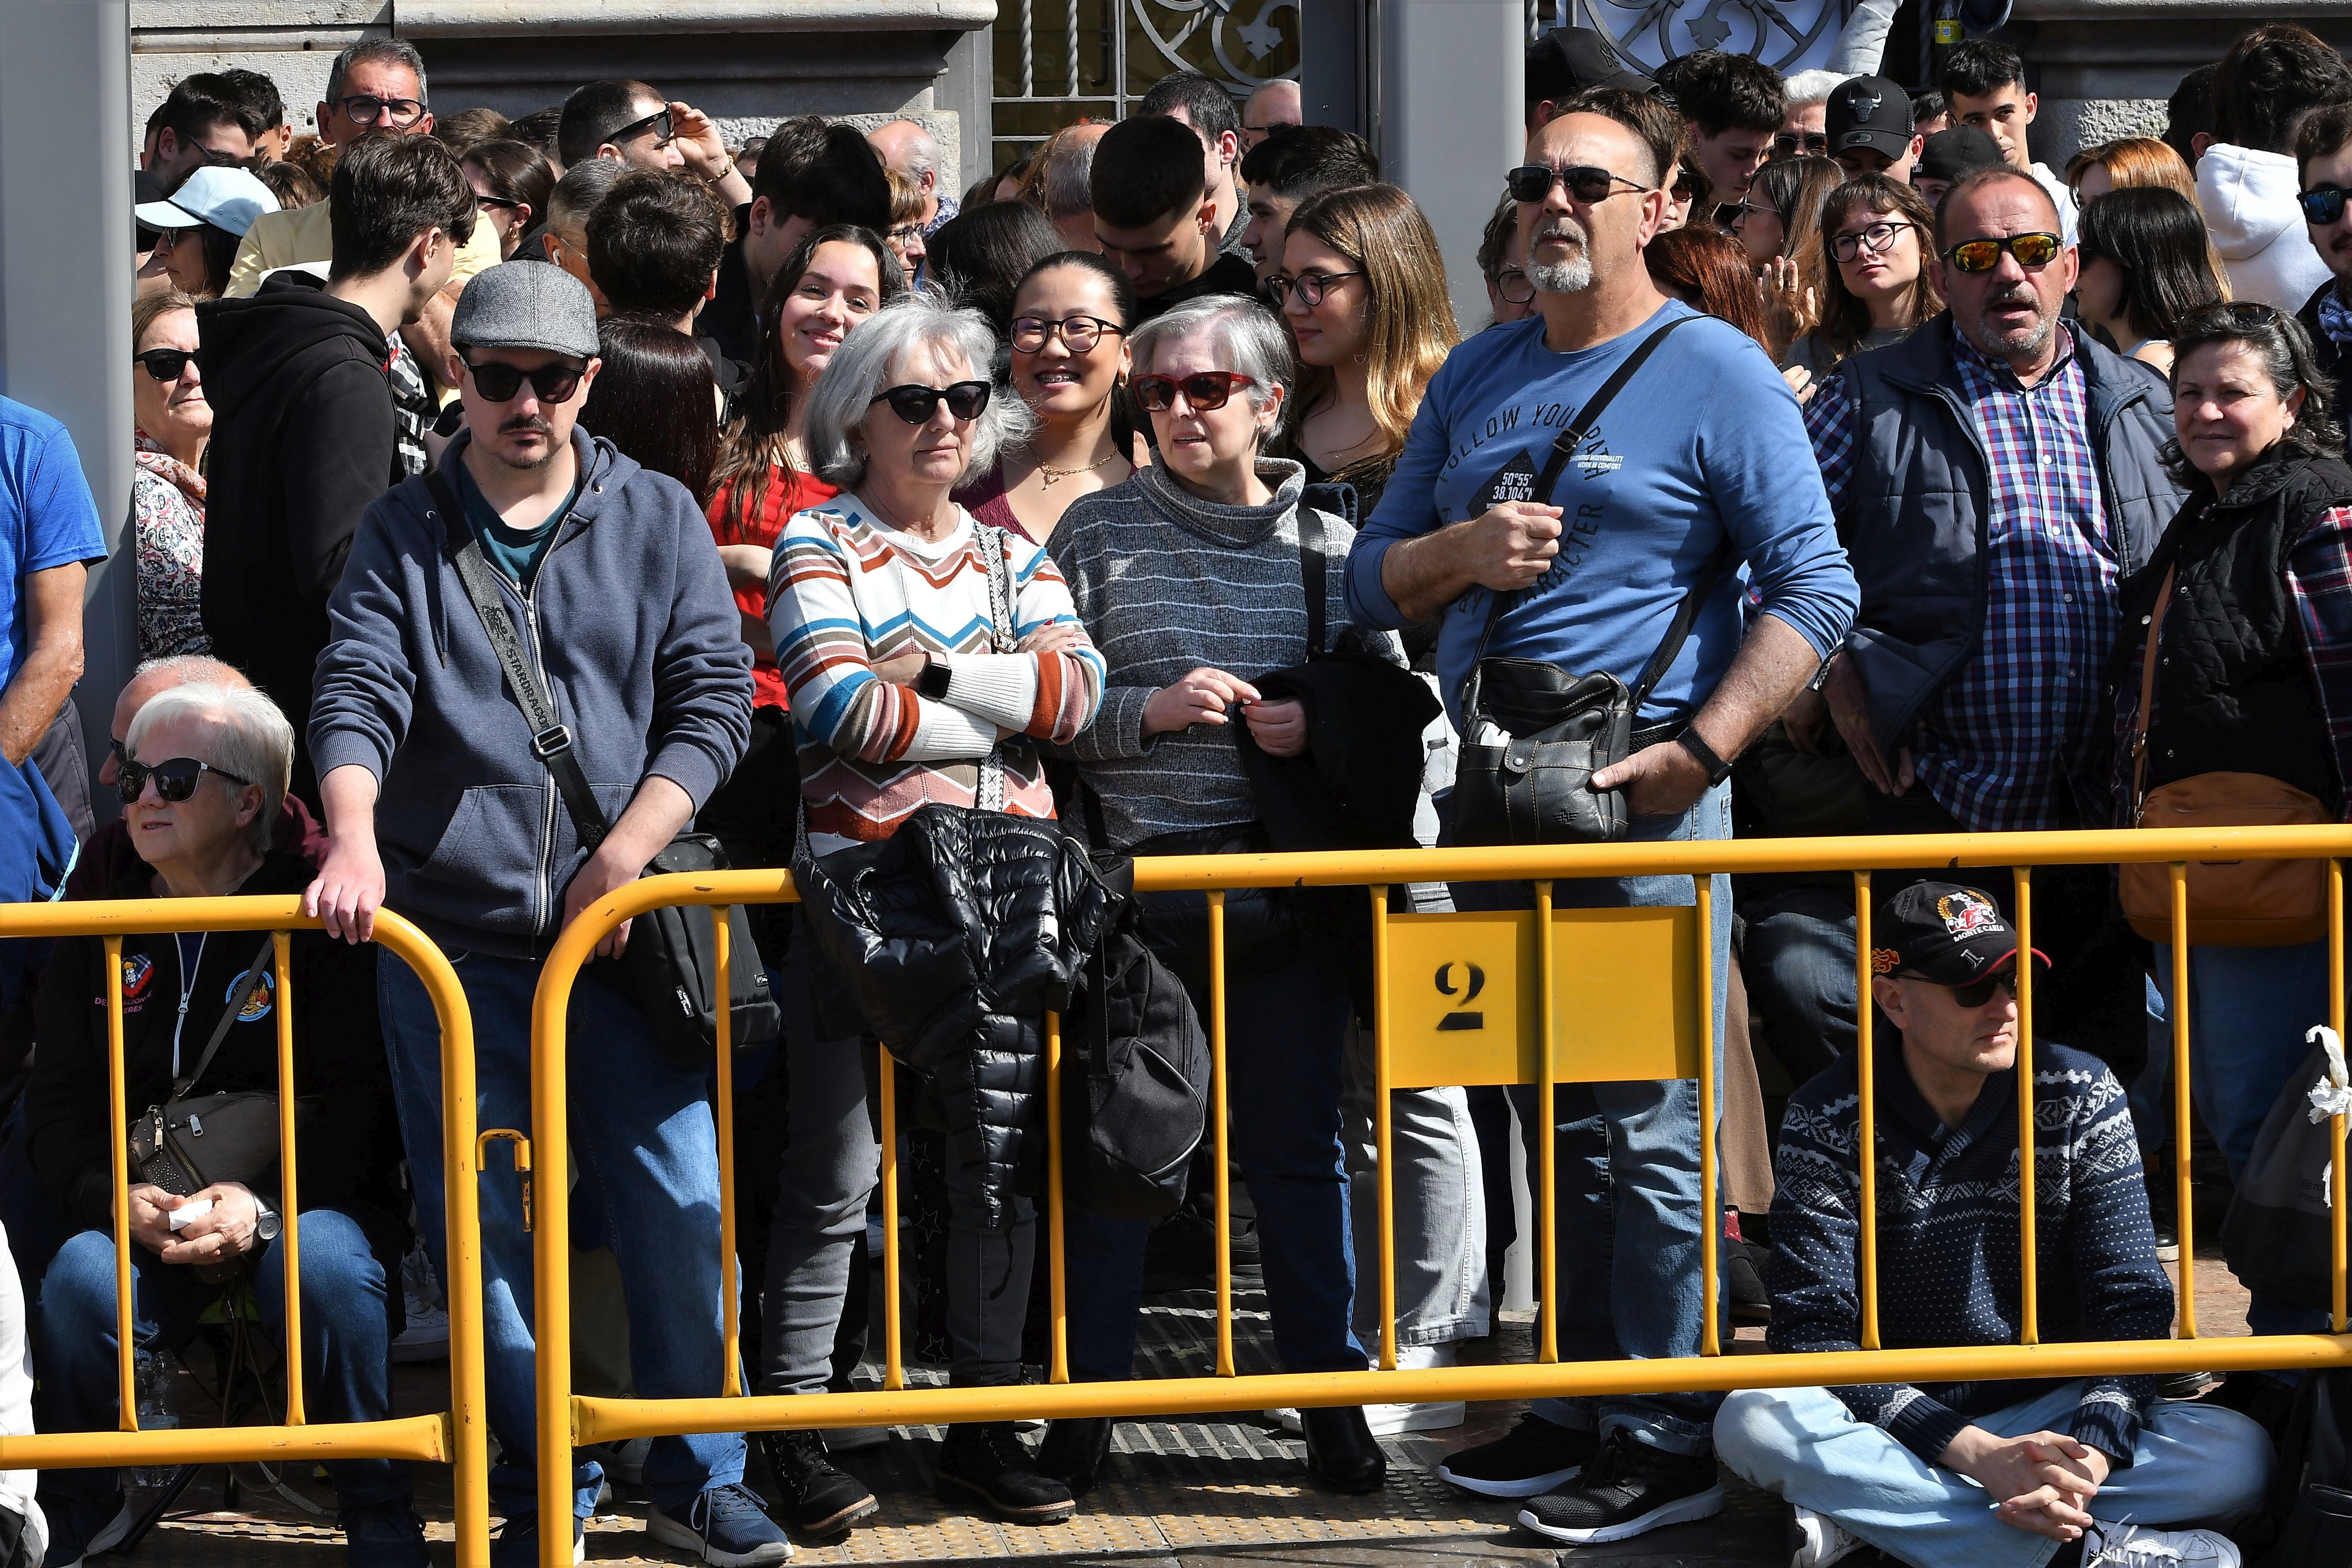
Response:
column 1167, row 582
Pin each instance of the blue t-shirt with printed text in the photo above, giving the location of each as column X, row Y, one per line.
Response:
column 47, row 517
column 1704, row 444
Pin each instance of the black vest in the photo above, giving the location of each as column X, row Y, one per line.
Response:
column 2232, row 691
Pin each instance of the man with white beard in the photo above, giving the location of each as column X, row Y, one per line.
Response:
column 1697, row 465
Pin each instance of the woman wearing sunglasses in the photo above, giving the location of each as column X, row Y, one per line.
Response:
column 1877, row 233
column 1778, row 223
column 201, row 794
column 199, row 229
column 1070, row 318
column 2145, row 263
column 907, row 688
column 174, row 426
column 512, row 180
column 1188, row 576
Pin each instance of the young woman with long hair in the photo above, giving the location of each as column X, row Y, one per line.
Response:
column 655, row 399
column 1778, row 224
column 513, row 181
column 2146, row 260
column 1706, row 269
column 1877, row 234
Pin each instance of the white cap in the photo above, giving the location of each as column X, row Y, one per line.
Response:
column 222, row 197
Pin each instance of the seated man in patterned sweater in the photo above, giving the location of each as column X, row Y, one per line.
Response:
column 2047, row 1473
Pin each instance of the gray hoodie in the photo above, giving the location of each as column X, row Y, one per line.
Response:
column 631, row 624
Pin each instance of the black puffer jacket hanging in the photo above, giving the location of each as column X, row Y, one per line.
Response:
column 960, row 933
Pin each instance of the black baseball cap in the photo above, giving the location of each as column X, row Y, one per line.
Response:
column 1567, row 60
column 1869, row 111
column 1944, row 933
column 1948, row 154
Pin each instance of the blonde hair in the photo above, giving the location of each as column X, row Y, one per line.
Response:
column 1409, row 326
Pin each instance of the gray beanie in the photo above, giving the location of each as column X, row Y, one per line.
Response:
column 526, row 305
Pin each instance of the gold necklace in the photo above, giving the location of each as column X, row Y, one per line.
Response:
column 1055, row 476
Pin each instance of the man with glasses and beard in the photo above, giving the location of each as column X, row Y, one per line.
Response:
column 441, row 799
column 1697, row 466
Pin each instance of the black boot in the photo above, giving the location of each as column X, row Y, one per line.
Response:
column 1073, row 1451
column 813, row 1498
column 1341, row 1450
column 987, row 1461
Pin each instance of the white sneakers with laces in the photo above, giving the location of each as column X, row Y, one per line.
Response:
column 2132, row 1546
column 1816, row 1540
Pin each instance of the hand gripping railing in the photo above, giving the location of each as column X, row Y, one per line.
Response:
column 1591, row 995
column 457, row 1437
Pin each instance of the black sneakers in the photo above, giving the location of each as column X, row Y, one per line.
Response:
column 1530, row 1459
column 988, row 1460
column 812, row 1496
column 1628, row 1489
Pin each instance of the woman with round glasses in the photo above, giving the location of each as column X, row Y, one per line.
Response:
column 1877, row 232
column 174, row 424
column 1070, row 317
column 512, row 180
column 1188, row 576
column 2147, row 263
column 907, row 688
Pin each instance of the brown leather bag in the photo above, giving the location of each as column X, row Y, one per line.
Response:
column 2232, row 903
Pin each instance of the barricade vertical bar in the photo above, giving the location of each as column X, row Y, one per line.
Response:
column 1546, row 1163
column 1059, row 1369
column 289, row 1205
column 1864, row 1062
column 550, row 1246
column 461, row 1215
column 1217, row 1111
column 1710, row 1338
column 730, row 1306
column 2184, row 1190
column 126, row 1349
column 2336, row 1241
column 2030, row 1315
column 894, row 1370
column 1381, row 1129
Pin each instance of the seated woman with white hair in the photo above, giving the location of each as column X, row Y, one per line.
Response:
column 206, row 769
column 907, row 687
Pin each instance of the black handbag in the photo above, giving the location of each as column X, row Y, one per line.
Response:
column 188, row 1144
column 1535, row 785
column 672, row 959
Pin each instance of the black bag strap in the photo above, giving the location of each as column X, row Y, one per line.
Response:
column 240, row 994
column 1312, row 571
column 550, row 741
column 1686, row 617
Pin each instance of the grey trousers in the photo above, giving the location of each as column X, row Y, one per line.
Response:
column 830, row 1165
column 1441, row 1291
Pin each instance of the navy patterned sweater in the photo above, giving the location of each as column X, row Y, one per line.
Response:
column 1948, row 1239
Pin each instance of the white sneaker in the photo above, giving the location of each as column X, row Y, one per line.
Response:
column 426, row 1338
column 1816, row 1540
column 1387, row 1420
column 2131, row 1546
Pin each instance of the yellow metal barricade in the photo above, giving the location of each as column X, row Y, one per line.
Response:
column 1550, row 996
column 457, row 1437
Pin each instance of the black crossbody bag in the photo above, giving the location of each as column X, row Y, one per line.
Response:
column 188, row 1144
column 1536, row 787
column 672, row 959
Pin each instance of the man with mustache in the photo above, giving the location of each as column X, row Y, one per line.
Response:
column 1696, row 466
column 2323, row 150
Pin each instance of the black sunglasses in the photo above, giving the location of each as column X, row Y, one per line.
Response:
column 175, row 780
column 1533, row 182
column 657, row 122
column 1976, row 992
column 2321, row 204
column 497, row 202
column 499, row 383
column 365, row 109
column 164, row 364
column 2033, row 251
column 914, row 403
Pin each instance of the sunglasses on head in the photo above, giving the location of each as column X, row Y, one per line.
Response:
column 1976, row 992
column 499, row 383
column 657, row 122
column 2321, row 204
column 1586, row 183
column 2033, row 251
column 1207, row 390
column 164, row 364
column 913, row 403
column 176, row 779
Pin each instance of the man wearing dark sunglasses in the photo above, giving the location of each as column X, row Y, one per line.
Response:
column 1977, row 1472
column 602, row 580
column 2323, row 152
column 633, row 126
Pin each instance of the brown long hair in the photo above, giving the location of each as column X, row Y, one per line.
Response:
column 1407, row 315
column 1706, row 269
column 1845, row 316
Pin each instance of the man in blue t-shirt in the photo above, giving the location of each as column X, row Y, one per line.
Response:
column 1701, row 456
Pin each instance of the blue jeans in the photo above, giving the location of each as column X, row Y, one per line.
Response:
column 647, row 1152
column 346, row 1363
column 1284, row 1039
column 1628, row 1172
column 2193, row 1462
column 1798, row 964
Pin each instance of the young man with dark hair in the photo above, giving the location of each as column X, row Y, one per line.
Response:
column 1565, row 62
column 1156, row 215
column 2323, row 158
column 302, row 413
column 811, row 174
column 1198, row 102
column 2188, row 114
column 268, row 108
column 2272, row 77
column 655, row 244
column 1733, row 106
column 1984, row 82
column 206, row 120
column 1293, row 165
column 633, row 126
column 1870, row 129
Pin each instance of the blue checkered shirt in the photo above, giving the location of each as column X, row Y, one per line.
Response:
column 2018, row 738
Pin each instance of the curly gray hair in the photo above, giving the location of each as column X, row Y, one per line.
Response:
column 868, row 363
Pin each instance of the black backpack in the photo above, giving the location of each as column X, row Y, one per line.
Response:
column 2311, row 1489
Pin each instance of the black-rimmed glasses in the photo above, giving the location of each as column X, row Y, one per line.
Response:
column 175, row 780
column 1309, row 286
column 1877, row 238
column 366, row 109
column 913, row 401
column 1079, row 333
column 1512, row 286
column 1586, row 183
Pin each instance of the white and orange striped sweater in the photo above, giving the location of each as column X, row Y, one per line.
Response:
column 848, row 591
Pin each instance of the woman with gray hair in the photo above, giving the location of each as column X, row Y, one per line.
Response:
column 206, row 768
column 1189, row 573
column 913, row 680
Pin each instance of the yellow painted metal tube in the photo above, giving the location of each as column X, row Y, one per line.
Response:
column 2184, row 1191
column 1546, row 1130
column 894, row 1366
column 422, row 1437
column 2028, row 1330
column 126, row 1347
column 1865, row 1065
column 1219, row 1086
column 1710, row 1207
column 289, row 1235
column 730, row 1289
column 1058, row 1369
column 550, row 1243
column 1381, row 1128
column 2336, row 1241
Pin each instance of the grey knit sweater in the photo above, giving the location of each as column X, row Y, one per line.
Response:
column 1166, row 582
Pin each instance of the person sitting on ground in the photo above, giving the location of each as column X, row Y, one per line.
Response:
column 575, row 196
column 199, row 227
column 174, row 426
column 1156, row 218
column 2147, row 263
column 1990, row 1472
column 812, row 175
column 1984, row 82
column 1290, row 167
column 512, row 182
column 1877, row 234
column 203, row 779
column 1949, row 153
column 2272, row 77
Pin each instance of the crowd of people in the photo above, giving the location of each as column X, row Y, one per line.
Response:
column 514, row 495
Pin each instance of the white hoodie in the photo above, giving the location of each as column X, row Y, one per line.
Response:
column 2248, row 199
column 17, row 1404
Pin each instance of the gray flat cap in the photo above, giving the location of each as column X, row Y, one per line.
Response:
column 526, row 305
